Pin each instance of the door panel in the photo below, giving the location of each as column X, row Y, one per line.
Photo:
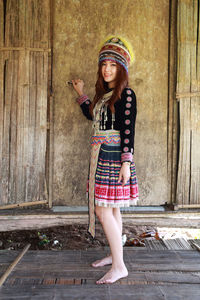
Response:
column 188, row 94
column 24, row 62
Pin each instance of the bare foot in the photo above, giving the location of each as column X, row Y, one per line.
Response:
column 102, row 262
column 113, row 275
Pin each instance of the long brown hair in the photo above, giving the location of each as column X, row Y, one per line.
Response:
column 102, row 87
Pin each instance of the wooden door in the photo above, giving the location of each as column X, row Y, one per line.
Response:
column 188, row 95
column 24, row 84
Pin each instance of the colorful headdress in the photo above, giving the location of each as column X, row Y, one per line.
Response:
column 117, row 49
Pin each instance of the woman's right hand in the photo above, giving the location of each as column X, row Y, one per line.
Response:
column 78, row 85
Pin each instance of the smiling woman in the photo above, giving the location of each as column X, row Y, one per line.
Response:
column 112, row 177
column 109, row 72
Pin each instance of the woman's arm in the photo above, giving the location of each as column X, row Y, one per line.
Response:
column 127, row 132
column 83, row 99
column 127, row 128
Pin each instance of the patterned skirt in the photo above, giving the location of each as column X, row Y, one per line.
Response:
column 108, row 192
column 103, row 186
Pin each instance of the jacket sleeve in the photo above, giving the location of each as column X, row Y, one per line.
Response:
column 84, row 103
column 127, row 130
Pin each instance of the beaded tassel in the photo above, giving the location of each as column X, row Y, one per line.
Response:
column 113, row 120
column 101, row 117
column 105, row 115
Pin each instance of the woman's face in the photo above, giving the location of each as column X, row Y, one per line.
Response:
column 109, row 72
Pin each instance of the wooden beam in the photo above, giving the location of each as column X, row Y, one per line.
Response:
column 38, row 220
column 23, row 204
column 187, row 206
column 187, row 95
column 25, row 48
column 196, row 246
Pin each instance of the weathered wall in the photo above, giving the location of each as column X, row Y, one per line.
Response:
column 79, row 27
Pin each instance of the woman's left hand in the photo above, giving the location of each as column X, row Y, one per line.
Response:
column 125, row 173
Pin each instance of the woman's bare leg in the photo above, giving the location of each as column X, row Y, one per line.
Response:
column 118, row 218
column 113, row 234
column 108, row 259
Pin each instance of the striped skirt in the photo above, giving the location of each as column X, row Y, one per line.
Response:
column 103, row 186
column 108, row 192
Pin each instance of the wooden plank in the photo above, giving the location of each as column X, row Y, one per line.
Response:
column 29, row 181
column 51, row 151
column 195, row 108
column 56, row 292
column 162, row 278
column 187, row 255
column 41, row 62
column 2, row 62
column 3, row 268
column 183, row 85
column 165, row 267
column 183, row 291
column 21, row 136
column 12, row 20
column 183, row 182
column 172, row 107
column 195, row 153
column 135, row 292
column 134, row 277
column 1, row 23
column 50, row 112
column 13, row 131
column 32, row 182
column 6, row 124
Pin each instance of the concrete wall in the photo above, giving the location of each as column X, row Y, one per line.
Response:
column 79, row 27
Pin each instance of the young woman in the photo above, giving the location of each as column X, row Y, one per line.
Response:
column 112, row 176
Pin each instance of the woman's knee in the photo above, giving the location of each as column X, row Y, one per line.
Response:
column 103, row 212
column 99, row 212
column 116, row 211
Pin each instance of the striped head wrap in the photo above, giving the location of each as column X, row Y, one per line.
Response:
column 117, row 49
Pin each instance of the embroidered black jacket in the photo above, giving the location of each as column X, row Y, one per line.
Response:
column 125, row 117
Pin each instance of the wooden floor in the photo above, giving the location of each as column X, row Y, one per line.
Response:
column 157, row 274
